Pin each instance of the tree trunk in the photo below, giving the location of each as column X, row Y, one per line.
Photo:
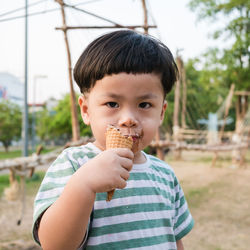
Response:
column 6, row 147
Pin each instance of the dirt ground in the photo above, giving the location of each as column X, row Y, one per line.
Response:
column 219, row 200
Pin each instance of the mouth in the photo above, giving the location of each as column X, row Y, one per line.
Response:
column 135, row 137
column 132, row 134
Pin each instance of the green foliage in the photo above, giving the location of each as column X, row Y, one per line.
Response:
column 4, row 182
column 10, row 123
column 230, row 65
column 43, row 124
column 168, row 119
column 205, row 93
column 56, row 124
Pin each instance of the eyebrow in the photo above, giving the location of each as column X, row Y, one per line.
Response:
column 146, row 96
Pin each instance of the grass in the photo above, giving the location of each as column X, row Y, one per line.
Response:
column 196, row 196
column 4, row 182
column 200, row 195
column 18, row 153
column 32, row 184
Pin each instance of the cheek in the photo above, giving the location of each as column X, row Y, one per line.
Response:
column 153, row 120
column 150, row 127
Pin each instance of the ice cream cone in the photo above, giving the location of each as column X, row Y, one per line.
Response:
column 114, row 139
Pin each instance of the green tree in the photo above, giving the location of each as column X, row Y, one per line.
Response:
column 205, row 93
column 231, row 64
column 10, row 123
column 43, row 128
column 55, row 124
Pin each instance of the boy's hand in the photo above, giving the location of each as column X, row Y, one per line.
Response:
column 108, row 170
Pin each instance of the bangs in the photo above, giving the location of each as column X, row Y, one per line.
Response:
column 124, row 51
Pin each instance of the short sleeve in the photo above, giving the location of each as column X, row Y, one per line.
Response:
column 51, row 188
column 183, row 221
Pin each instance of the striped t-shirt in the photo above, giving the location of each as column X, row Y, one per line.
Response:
column 149, row 213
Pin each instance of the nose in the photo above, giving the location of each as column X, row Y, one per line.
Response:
column 128, row 119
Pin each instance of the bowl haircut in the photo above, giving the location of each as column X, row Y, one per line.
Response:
column 125, row 51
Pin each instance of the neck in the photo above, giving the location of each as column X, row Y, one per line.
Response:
column 139, row 158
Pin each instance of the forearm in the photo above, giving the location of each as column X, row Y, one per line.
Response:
column 179, row 245
column 64, row 224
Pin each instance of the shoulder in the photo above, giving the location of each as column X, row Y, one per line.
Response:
column 76, row 156
column 88, row 150
column 159, row 165
column 162, row 168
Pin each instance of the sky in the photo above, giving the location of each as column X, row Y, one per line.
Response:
column 177, row 27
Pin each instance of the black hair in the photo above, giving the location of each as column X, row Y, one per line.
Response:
column 125, row 51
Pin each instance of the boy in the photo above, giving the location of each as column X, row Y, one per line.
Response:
column 124, row 77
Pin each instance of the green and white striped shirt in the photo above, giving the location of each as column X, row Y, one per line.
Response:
column 150, row 213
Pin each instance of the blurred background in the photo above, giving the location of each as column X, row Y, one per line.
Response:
column 206, row 132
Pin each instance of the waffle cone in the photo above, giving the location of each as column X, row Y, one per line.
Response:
column 114, row 139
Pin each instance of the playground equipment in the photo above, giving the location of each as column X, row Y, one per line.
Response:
column 214, row 138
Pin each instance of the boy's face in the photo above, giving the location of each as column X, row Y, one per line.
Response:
column 133, row 103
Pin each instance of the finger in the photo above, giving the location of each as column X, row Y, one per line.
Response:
column 125, row 152
column 126, row 163
column 122, row 184
column 124, row 175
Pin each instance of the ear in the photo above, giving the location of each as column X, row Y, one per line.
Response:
column 163, row 110
column 83, row 103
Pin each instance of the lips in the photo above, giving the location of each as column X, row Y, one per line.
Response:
column 135, row 137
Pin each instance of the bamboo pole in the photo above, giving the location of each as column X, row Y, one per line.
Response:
column 75, row 124
column 221, row 133
column 199, row 147
column 177, row 154
column 241, row 108
column 184, row 96
column 228, row 104
column 145, row 12
column 132, row 27
column 177, row 96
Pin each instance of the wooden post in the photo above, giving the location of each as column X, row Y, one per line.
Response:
column 241, row 109
column 177, row 97
column 75, row 124
column 228, row 104
column 159, row 150
column 184, row 96
column 176, row 127
column 145, row 17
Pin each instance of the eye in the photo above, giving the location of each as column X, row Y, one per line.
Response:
column 145, row 105
column 112, row 104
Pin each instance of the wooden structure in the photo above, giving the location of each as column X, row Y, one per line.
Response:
column 23, row 167
column 75, row 124
column 180, row 91
column 241, row 110
column 237, row 141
